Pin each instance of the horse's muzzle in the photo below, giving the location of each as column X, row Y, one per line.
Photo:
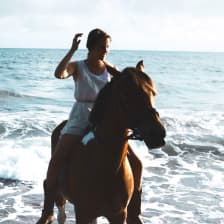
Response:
column 153, row 137
column 154, row 144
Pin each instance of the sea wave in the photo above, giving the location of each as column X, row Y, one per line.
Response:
column 24, row 159
column 13, row 127
column 182, row 181
column 6, row 93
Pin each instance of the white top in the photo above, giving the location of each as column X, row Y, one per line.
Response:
column 87, row 87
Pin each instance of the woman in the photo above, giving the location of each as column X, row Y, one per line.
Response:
column 89, row 75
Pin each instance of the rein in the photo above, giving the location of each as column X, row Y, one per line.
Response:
column 102, row 140
column 135, row 135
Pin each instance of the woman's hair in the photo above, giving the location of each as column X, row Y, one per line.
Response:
column 94, row 37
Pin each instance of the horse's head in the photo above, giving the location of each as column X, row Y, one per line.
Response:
column 134, row 93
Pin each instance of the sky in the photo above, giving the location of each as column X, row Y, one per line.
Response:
column 177, row 25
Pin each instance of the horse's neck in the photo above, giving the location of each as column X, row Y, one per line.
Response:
column 110, row 130
column 112, row 125
column 112, row 135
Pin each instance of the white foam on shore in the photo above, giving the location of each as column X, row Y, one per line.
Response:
column 24, row 159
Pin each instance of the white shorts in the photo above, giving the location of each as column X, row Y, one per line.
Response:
column 78, row 119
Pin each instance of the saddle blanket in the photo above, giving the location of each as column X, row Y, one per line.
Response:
column 89, row 136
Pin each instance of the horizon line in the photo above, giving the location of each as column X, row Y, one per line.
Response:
column 152, row 50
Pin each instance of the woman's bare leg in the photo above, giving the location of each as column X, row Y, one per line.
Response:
column 134, row 207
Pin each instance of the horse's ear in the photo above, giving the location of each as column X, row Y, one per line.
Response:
column 112, row 70
column 140, row 66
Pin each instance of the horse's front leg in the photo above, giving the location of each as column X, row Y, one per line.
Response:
column 60, row 203
column 80, row 221
column 61, row 214
column 134, row 207
column 119, row 218
column 82, row 218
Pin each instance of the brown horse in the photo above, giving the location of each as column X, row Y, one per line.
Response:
column 98, row 178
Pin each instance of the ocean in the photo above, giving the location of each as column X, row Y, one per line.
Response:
column 183, row 182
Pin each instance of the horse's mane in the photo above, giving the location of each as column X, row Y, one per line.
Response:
column 140, row 78
column 100, row 104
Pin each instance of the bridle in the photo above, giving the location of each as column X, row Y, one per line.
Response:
column 134, row 135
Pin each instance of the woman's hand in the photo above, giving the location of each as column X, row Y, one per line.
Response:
column 66, row 68
column 76, row 41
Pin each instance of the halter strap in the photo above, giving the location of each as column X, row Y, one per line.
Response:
column 133, row 136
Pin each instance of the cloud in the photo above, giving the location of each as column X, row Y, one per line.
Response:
column 146, row 24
